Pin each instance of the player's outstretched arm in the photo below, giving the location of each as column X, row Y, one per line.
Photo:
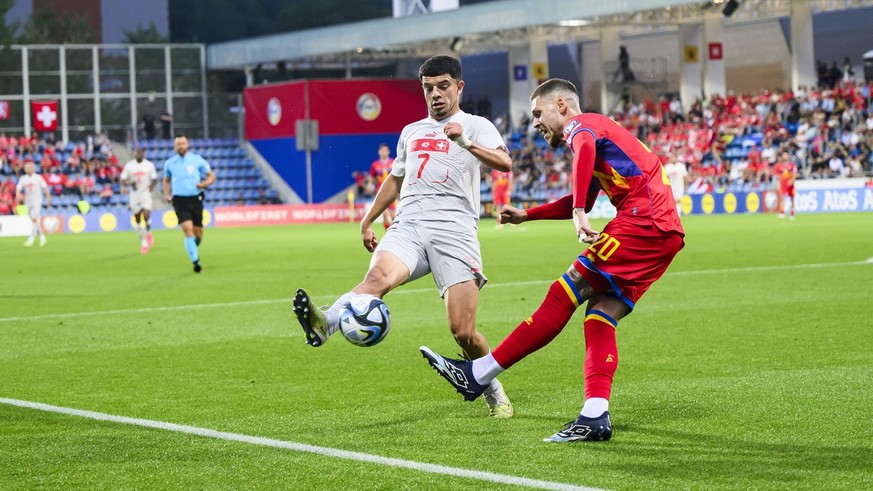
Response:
column 560, row 209
column 387, row 194
column 511, row 214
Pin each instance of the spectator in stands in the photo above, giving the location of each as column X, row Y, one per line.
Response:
column 854, row 165
column 624, row 69
column 86, row 183
column 865, row 155
column 821, row 71
column 106, row 194
column 166, row 125
column 7, row 197
column 55, row 180
column 835, row 74
column 848, row 71
column 148, row 126
column 362, row 188
column 837, row 165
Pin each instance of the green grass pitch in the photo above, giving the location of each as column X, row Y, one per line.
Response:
column 747, row 366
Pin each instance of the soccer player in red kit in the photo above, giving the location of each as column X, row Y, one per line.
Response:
column 786, row 171
column 619, row 265
column 380, row 170
column 501, row 189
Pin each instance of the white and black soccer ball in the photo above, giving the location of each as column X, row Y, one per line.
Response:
column 364, row 320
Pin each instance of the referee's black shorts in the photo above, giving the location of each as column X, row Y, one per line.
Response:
column 189, row 208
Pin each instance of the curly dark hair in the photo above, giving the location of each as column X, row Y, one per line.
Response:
column 440, row 65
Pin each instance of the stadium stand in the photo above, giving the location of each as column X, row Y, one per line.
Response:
column 238, row 180
column 729, row 143
column 89, row 170
column 827, row 130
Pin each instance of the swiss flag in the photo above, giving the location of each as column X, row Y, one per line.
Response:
column 45, row 115
column 430, row 145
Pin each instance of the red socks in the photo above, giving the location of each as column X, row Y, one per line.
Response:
column 601, row 354
column 540, row 328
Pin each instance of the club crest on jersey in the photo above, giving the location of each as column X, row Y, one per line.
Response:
column 190, row 169
column 570, row 126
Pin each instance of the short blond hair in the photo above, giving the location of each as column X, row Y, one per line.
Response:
column 557, row 87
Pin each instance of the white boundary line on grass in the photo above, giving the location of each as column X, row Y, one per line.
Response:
column 750, row 269
column 302, row 447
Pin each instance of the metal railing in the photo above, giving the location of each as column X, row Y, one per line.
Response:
column 106, row 88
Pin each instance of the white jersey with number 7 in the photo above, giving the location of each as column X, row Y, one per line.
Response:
column 440, row 179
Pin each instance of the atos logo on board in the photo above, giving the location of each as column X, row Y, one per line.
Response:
column 369, row 106
column 274, row 111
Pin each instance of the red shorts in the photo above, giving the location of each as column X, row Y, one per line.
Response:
column 787, row 191
column 500, row 196
column 627, row 259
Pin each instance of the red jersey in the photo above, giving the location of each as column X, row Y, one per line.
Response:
column 501, row 187
column 380, row 170
column 499, row 179
column 786, row 171
column 610, row 158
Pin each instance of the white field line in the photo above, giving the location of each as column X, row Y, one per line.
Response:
column 302, row 447
column 750, row 269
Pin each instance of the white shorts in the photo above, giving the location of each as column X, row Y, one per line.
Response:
column 447, row 250
column 140, row 201
column 34, row 210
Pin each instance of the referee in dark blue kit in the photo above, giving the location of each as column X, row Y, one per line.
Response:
column 186, row 176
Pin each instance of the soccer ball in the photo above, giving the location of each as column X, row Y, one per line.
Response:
column 364, row 320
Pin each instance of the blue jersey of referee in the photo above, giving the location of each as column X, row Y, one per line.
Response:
column 185, row 172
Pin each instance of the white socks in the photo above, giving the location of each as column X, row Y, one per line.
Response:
column 595, row 407
column 331, row 316
column 486, row 369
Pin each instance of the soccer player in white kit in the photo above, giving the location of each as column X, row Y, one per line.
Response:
column 141, row 176
column 30, row 189
column 436, row 177
column 676, row 173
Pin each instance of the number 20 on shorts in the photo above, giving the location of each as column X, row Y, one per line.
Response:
column 604, row 246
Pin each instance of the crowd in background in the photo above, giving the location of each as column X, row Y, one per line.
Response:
column 85, row 170
column 727, row 143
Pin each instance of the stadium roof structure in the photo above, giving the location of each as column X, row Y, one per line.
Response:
column 483, row 27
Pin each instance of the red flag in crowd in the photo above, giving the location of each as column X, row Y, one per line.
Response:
column 45, row 115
